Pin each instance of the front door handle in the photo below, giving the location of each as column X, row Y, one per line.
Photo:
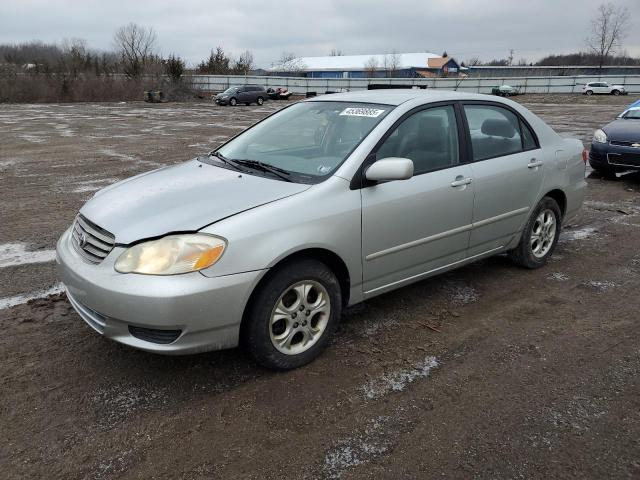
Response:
column 461, row 181
column 533, row 163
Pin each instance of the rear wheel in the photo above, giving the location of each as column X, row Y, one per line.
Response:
column 293, row 315
column 540, row 235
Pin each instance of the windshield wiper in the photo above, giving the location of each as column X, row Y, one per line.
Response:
column 226, row 160
column 266, row 167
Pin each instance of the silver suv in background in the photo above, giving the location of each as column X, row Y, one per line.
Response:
column 324, row 204
column 603, row 88
column 246, row 94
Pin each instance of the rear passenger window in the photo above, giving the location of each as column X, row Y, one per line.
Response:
column 428, row 137
column 494, row 131
column 528, row 139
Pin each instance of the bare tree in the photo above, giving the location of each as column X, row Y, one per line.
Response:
column 510, row 57
column 290, row 63
column 244, row 64
column 336, row 52
column 608, row 29
column 473, row 62
column 371, row 67
column 391, row 64
column 136, row 46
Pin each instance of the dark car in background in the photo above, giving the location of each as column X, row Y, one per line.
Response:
column 246, row 94
column 616, row 146
column 505, row 91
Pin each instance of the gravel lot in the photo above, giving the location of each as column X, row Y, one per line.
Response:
column 526, row 374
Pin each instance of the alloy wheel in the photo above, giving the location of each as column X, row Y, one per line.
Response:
column 300, row 317
column 543, row 233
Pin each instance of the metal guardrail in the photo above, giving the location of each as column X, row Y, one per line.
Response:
column 302, row 86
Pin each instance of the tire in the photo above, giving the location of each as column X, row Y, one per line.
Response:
column 532, row 253
column 589, row 92
column 247, row 104
column 233, row 102
column 278, row 341
column 615, row 92
column 260, row 101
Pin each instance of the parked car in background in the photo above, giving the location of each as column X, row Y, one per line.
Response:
column 603, row 88
column 505, row 91
column 616, row 146
column 324, row 204
column 246, row 94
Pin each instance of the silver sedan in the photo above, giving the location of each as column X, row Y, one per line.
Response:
column 322, row 205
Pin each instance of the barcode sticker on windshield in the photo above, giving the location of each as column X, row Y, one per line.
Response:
column 362, row 112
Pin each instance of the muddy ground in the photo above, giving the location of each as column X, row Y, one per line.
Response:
column 487, row 372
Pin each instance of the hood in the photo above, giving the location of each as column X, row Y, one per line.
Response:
column 180, row 198
column 623, row 130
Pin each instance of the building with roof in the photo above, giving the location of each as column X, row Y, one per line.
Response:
column 398, row 65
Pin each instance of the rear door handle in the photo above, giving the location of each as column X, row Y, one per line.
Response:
column 533, row 163
column 461, row 181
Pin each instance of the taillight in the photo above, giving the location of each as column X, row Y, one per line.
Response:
column 585, row 155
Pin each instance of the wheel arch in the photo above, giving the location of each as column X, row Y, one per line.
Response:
column 560, row 197
column 323, row 255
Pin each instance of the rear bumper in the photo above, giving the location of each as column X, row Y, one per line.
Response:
column 206, row 311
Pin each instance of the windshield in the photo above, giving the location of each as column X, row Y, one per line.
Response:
column 230, row 90
column 635, row 113
column 309, row 139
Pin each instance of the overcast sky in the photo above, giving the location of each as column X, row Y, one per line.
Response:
column 191, row 28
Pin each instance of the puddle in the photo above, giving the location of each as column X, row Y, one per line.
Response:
column 16, row 254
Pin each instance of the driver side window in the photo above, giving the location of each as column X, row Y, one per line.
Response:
column 428, row 137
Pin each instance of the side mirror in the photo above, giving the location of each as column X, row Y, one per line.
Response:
column 389, row 169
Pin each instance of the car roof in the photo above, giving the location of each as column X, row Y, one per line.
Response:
column 399, row 96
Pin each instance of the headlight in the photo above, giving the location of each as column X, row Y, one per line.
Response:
column 172, row 255
column 599, row 136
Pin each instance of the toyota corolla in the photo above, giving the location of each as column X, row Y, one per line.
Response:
column 324, row 204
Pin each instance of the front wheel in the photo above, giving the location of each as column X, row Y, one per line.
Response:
column 589, row 92
column 540, row 235
column 293, row 315
column 233, row 102
column 260, row 101
column 615, row 92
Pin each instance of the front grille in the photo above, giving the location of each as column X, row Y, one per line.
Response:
column 620, row 143
column 625, row 159
column 153, row 335
column 91, row 241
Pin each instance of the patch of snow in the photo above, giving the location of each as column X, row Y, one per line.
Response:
column 601, row 286
column 94, row 185
column 559, row 276
column 113, row 154
column 16, row 254
column 579, row 234
column 32, row 138
column 358, row 449
column 8, row 302
column 399, row 380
